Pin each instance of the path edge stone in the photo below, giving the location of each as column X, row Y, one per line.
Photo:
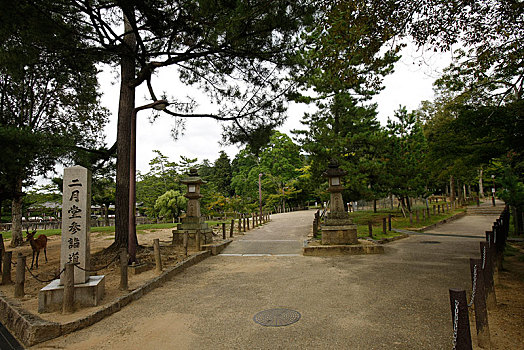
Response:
column 30, row 329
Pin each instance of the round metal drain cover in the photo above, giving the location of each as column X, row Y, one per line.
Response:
column 277, row 317
column 430, row 242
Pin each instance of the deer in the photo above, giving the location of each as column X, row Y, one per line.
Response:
column 37, row 244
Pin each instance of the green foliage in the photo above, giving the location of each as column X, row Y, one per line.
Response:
column 163, row 176
column 170, row 204
column 346, row 48
column 222, row 174
column 407, row 149
column 50, row 104
column 278, row 162
column 350, row 134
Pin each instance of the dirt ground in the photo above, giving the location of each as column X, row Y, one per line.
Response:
column 506, row 321
column 99, row 258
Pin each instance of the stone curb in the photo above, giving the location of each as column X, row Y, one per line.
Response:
column 331, row 250
column 217, row 248
column 31, row 329
column 391, row 239
column 451, row 218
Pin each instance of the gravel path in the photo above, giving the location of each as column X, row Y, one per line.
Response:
column 398, row 300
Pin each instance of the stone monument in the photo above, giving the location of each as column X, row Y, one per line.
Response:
column 75, row 248
column 193, row 224
column 338, row 227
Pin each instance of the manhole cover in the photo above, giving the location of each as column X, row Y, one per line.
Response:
column 430, row 242
column 276, row 317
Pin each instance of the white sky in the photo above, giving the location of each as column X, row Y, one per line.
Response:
column 410, row 84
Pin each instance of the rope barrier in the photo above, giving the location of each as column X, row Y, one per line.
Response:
column 44, row 281
column 103, row 267
column 474, row 289
column 455, row 324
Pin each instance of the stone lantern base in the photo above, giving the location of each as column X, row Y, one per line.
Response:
column 338, row 229
column 346, row 234
column 192, row 225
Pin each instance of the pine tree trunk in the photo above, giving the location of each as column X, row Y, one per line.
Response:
column 481, row 186
column 17, row 237
column 519, row 222
column 106, row 214
column 452, row 188
column 125, row 110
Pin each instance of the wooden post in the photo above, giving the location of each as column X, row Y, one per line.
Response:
column 69, row 288
column 20, row 276
column 370, row 229
column 185, row 242
column 244, row 219
column 2, row 250
column 232, row 227
column 438, row 209
column 239, row 224
column 389, row 222
column 123, row 269
column 485, row 253
column 429, row 216
column 434, row 210
column 384, row 225
column 198, row 244
column 479, row 299
column 460, row 319
column 6, row 271
column 247, row 223
column 158, row 257
column 223, row 230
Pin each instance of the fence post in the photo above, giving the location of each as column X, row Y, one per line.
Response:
column 69, row 288
column 158, row 257
column 239, row 224
column 247, row 219
column 2, row 250
column 198, row 244
column 223, row 230
column 434, row 210
column 244, row 221
column 384, row 225
column 389, row 222
column 6, row 271
column 20, row 276
column 479, row 299
column 185, row 242
column 487, row 270
column 370, row 229
column 123, row 269
column 460, row 319
column 438, row 209
column 232, row 227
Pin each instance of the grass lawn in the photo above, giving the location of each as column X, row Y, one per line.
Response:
column 361, row 218
column 109, row 229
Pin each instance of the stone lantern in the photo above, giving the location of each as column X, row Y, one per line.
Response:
column 193, row 183
column 338, row 227
column 193, row 224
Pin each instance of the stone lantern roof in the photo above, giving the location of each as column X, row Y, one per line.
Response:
column 334, row 170
column 193, row 178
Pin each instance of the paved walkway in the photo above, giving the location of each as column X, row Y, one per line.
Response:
column 398, row 300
